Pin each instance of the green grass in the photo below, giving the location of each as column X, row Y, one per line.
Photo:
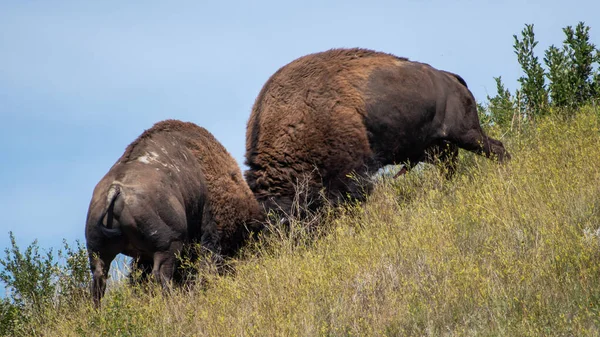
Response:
column 501, row 250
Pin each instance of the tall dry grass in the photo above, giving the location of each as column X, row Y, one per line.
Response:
column 511, row 250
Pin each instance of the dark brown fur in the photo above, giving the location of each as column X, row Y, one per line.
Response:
column 175, row 184
column 328, row 114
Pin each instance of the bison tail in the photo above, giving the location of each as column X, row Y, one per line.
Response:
column 108, row 230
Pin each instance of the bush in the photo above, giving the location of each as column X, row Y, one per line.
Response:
column 29, row 276
column 533, row 87
column 502, row 107
column 39, row 285
column 573, row 79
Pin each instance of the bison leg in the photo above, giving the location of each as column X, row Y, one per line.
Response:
column 402, row 171
column 99, row 265
column 210, row 242
column 140, row 270
column 165, row 263
column 444, row 155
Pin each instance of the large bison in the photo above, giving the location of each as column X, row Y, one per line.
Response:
column 329, row 114
column 175, row 184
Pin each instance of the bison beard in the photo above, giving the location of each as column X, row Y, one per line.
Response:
column 174, row 185
column 329, row 114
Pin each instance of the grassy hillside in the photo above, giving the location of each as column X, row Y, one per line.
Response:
column 500, row 250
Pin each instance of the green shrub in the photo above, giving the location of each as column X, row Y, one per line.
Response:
column 573, row 75
column 40, row 286
column 533, row 87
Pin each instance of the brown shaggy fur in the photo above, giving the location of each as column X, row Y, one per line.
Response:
column 175, row 184
column 332, row 113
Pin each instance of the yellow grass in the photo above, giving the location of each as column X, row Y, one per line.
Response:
column 510, row 250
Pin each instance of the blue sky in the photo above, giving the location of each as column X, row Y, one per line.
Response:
column 80, row 80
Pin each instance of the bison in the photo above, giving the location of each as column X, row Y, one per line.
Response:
column 328, row 114
column 174, row 185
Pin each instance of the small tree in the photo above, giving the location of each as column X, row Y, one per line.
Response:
column 573, row 77
column 583, row 55
column 29, row 276
column 533, row 87
column 36, row 282
column 9, row 318
column 485, row 117
column 74, row 277
column 501, row 106
column 560, row 77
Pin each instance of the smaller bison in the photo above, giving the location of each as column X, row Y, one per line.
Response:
column 326, row 115
column 174, row 185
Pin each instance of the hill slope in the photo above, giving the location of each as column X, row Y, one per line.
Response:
column 499, row 250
